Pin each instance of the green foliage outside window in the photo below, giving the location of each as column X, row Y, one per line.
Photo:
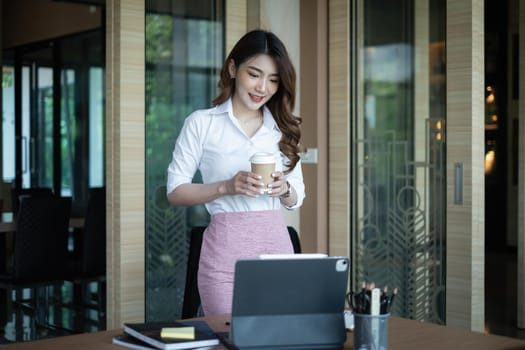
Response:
column 183, row 57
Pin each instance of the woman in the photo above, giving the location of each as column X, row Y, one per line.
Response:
column 253, row 113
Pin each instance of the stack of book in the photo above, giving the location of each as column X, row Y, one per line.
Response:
column 167, row 335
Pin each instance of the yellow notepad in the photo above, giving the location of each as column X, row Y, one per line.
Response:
column 178, row 332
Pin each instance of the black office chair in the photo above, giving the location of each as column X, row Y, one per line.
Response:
column 16, row 193
column 90, row 266
column 294, row 237
column 39, row 253
column 192, row 299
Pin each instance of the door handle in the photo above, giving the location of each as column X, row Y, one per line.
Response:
column 25, row 157
column 458, row 183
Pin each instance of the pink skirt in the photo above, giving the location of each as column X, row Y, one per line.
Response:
column 232, row 236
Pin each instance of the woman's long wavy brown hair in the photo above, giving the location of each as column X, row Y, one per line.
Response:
column 282, row 102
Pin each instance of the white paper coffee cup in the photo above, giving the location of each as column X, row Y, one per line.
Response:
column 263, row 164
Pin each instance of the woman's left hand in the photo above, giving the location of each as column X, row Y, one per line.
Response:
column 279, row 185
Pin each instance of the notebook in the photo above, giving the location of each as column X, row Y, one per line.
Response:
column 289, row 303
column 150, row 333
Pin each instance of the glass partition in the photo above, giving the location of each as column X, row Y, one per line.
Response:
column 8, row 123
column 184, row 53
column 399, row 128
column 96, row 127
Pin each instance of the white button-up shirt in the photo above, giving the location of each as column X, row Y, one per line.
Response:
column 213, row 141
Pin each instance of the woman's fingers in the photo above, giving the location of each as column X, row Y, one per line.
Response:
column 248, row 183
column 278, row 187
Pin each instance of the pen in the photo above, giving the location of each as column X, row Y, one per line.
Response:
column 384, row 300
column 371, row 300
column 391, row 299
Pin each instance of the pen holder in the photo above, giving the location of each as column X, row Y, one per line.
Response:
column 371, row 332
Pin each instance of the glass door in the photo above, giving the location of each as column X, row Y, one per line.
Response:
column 37, row 119
column 53, row 116
column 28, row 109
column 399, row 205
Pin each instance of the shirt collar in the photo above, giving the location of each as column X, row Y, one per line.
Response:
column 227, row 108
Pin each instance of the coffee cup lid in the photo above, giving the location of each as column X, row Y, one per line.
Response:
column 262, row 158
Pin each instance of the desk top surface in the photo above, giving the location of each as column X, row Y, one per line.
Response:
column 403, row 334
column 8, row 224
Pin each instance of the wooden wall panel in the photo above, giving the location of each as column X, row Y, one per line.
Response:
column 314, row 111
column 465, row 144
column 235, row 22
column 338, row 128
column 125, row 142
column 521, row 176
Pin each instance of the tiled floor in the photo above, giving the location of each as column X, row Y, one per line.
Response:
column 63, row 316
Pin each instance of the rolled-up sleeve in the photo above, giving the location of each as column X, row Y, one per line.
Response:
column 295, row 178
column 186, row 155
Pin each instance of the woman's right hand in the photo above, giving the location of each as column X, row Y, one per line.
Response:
column 246, row 183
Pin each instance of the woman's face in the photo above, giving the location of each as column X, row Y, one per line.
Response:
column 256, row 81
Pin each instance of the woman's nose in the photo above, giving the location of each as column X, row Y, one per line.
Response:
column 261, row 85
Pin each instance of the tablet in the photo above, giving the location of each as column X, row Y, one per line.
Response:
column 289, row 303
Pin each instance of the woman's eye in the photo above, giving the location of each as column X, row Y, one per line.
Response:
column 274, row 81
column 253, row 75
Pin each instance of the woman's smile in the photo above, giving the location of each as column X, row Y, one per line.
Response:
column 256, row 98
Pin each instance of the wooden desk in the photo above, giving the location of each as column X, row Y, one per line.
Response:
column 8, row 224
column 8, row 228
column 403, row 335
